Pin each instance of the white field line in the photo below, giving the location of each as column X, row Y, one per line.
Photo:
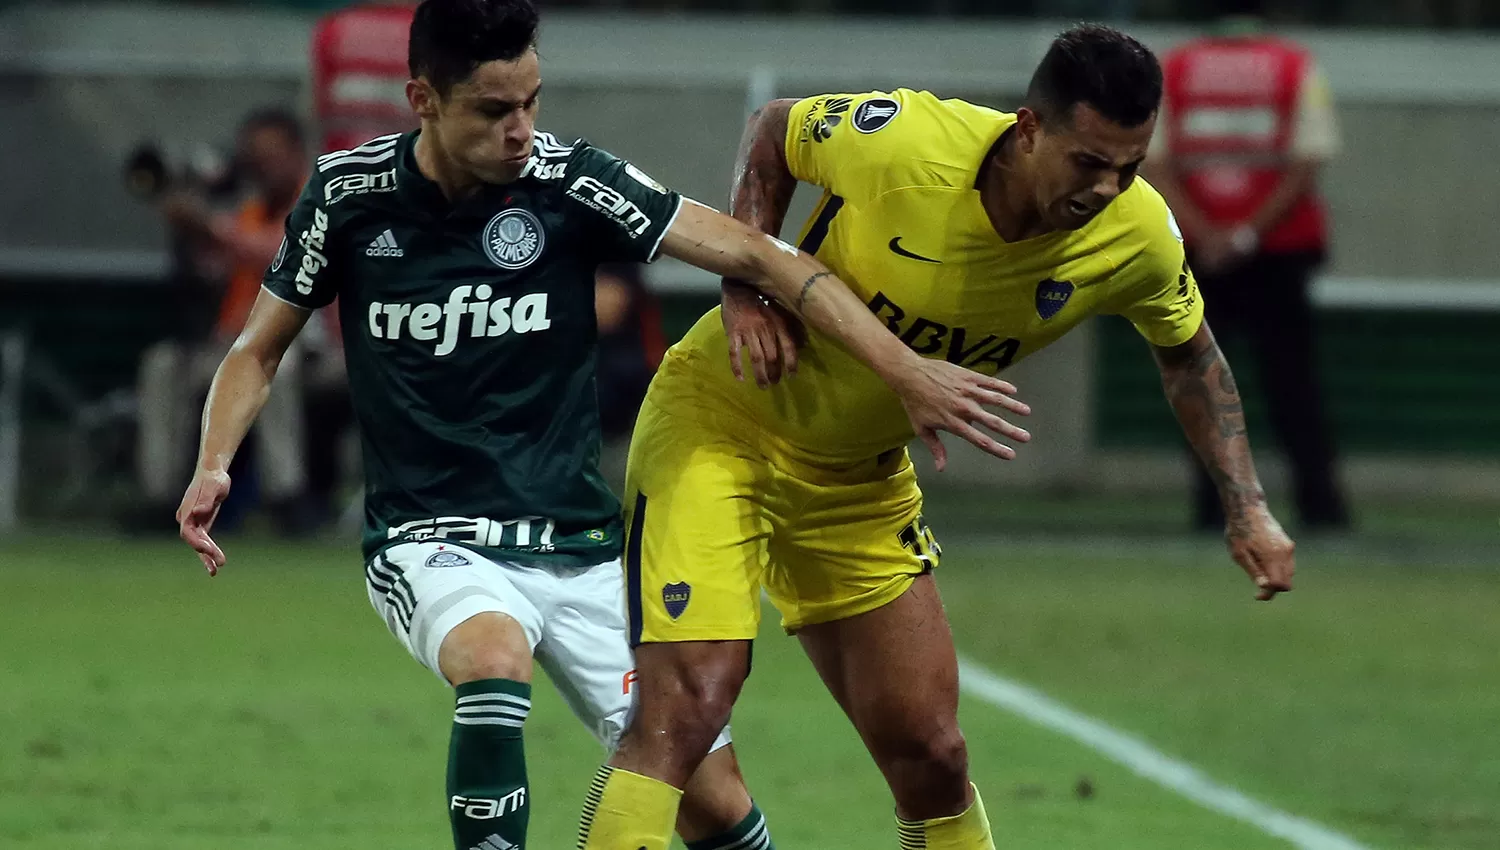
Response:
column 1143, row 760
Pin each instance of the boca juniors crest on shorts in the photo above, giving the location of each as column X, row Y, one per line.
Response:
column 675, row 596
column 1052, row 296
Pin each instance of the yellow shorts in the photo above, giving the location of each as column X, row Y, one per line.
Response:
column 713, row 517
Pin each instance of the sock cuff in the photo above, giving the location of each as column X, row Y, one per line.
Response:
column 509, row 687
column 492, row 702
column 749, row 834
column 914, row 833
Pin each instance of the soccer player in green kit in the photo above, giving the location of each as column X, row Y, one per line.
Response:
column 462, row 256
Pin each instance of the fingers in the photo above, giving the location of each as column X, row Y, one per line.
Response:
column 934, row 444
column 989, row 445
column 788, row 346
column 735, row 365
column 1001, row 427
column 757, row 360
column 208, row 551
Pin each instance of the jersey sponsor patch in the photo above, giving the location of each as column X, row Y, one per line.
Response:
column 1172, row 223
column 344, row 185
column 644, row 179
column 445, row 559
column 513, row 239
column 609, row 201
column 826, row 113
column 1052, row 296
column 875, row 113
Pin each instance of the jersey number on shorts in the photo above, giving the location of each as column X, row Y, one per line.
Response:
column 917, row 539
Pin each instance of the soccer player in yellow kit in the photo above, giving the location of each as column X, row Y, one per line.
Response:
column 978, row 237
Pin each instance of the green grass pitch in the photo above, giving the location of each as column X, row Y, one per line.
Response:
column 144, row 706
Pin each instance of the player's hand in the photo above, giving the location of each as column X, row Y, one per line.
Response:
column 200, row 506
column 764, row 330
column 943, row 396
column 1265, row 552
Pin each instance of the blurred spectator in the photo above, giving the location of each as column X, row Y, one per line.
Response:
column 174, row 374
column 631, row 344
column 1246, row 122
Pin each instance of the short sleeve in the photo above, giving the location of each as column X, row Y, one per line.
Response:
column 837, row 141
column 306, row 271
column 625, row 208
column 1161, row 295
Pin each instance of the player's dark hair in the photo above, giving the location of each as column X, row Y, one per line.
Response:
column 1102, row 67
column 450, row 38
column 277, row 118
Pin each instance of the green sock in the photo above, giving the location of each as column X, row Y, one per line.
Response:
column 488, row 801
column 750, row 834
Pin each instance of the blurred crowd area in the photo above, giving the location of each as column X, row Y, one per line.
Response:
column 1404, row 13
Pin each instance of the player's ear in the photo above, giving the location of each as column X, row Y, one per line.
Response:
column 423, row 98
column 1028, row 124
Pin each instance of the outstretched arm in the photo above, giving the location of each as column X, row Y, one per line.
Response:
column 1202, row 391
column 235, row 398
column 938, row 395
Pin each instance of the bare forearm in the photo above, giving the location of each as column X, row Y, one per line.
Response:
column 1202, row 391
column 238, row 392
column 763, row 184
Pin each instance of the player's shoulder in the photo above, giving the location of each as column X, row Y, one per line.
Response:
column 550, row 156
column 1141, row 227
column 366, row 172
column 902, row 138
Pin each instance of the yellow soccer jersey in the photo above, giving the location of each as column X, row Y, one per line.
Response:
column 902, row 224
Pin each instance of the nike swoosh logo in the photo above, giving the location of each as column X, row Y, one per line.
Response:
column 902, row 252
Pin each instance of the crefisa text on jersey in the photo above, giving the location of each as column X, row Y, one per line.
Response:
column 313, row 241
column 486, row 318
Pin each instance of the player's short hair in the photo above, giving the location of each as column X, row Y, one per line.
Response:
column 277, row 118
column 450, row 38
column 1102, row 67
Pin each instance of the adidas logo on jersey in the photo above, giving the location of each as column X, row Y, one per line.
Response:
column 385, row 246
column 494, row 842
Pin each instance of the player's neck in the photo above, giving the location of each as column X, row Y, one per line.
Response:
column 1006, row 196
column 435, row 165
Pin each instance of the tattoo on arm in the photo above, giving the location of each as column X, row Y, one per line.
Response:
column 763, row 183
column 1203, row 392
column 807, row 286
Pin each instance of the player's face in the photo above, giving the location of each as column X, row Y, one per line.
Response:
column 486, row 122
column 1079, row 166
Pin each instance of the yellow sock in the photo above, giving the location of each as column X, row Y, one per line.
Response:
column 969, row 830
column 628, row 811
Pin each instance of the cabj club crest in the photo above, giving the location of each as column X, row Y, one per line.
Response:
column 1052, row 296
column 675, row 596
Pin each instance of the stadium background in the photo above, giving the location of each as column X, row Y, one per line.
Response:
column 142, row 706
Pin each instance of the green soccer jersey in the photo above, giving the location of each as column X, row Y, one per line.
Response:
column 470, row 337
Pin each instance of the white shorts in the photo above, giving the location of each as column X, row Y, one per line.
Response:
column 574, row 620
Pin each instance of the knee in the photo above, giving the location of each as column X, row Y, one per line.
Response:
column 933, row 763
column 689, row 699
column 488, row 646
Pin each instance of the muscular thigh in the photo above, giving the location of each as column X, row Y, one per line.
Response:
column 893, row 670
column 696, row 532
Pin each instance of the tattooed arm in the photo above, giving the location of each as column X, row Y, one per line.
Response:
column 1202, row 391
column 761, row 192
